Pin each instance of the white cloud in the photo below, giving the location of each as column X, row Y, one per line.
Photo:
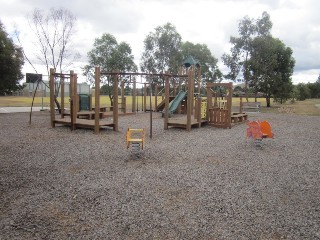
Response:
column 211, row 22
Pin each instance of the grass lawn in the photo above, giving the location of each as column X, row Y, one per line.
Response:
column 307, row 107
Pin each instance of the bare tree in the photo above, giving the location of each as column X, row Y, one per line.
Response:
column 54, row 31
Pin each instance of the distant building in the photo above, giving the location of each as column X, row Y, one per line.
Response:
column 43, row 88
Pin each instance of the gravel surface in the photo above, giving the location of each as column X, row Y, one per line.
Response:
column 209, row 183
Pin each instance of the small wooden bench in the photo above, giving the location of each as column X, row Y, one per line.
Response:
column 88, row 115
column 239, row 117
column 251, row 106
column 102, row 109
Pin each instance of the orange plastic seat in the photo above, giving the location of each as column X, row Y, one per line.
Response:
column 254, row 130
column 266, row 129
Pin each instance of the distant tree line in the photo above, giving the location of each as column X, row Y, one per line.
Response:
column 264, row 62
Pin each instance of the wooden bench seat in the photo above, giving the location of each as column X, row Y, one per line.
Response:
column 251, row 106
column 88, row 114
column 239, row 117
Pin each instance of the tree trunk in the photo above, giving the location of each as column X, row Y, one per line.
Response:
column 57, row 104
column 246, row 90
column 268, row 101
column 111, row 99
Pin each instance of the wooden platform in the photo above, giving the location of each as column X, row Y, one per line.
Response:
column 85, row 114
column 239, row 117
column 84, row 123
column 182, row 122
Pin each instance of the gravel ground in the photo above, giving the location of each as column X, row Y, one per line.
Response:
column 209, row 183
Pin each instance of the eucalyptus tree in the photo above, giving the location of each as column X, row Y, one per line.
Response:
column 238, row 60
column 162, row 50
column 110, row 56
column 53, row 31
column 271, row 66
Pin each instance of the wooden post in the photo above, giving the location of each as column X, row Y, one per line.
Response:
column 134, row 96
column 198, row 107
column 97, row 101
column 240, row 109
column 52, row 109
column 189, row 101
column 209, row 101
column 75, row 101
column 115, row 103
column 229, row 105
column 71, row 99
column 124, row 105
column 192, row 80
column 62, row 96
column 166, row 107
column 122, row 97
column 145, row 97
column 150, row 103
column 199, row 79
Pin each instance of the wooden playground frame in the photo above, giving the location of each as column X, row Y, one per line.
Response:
column 96, row 123
column 214, row 115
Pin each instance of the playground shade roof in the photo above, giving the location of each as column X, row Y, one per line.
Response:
column 189, row 61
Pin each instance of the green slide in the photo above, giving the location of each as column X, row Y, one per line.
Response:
column 173, row 105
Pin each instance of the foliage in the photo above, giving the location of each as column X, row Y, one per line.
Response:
column 11, row 62
column 265, row 63
column 162, row 50
column 314, row 89
column 271, row 68
column 309, row 90
column 208, row 63
column 303, row 92
column 238, row 60
column 109, row 56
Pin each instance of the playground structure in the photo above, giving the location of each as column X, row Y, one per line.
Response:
column 135, row 139
column 193, row 109
column 94, row 117
column 258, row 130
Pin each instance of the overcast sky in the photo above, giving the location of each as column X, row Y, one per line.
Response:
column 295, row 22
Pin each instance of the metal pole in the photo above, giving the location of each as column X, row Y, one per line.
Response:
column 150, row 107
column 42, row 96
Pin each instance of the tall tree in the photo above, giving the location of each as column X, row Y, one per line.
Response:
column 109, row 56
column 271, row 66
column 238, row 60
column 11, row 62
column 162, row 50
column 208, row 63
column 53, row 32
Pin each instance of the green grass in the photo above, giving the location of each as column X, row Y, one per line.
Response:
column 307, row 107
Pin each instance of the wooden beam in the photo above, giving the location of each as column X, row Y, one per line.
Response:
column 97, row 101
column 62, row 96
column 52, row 108
column 115, row 104
column 166, row 107
column 189, row 100
column 134, row 96
column 74, row 100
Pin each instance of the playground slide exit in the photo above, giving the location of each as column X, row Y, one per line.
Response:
column 176, row 101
